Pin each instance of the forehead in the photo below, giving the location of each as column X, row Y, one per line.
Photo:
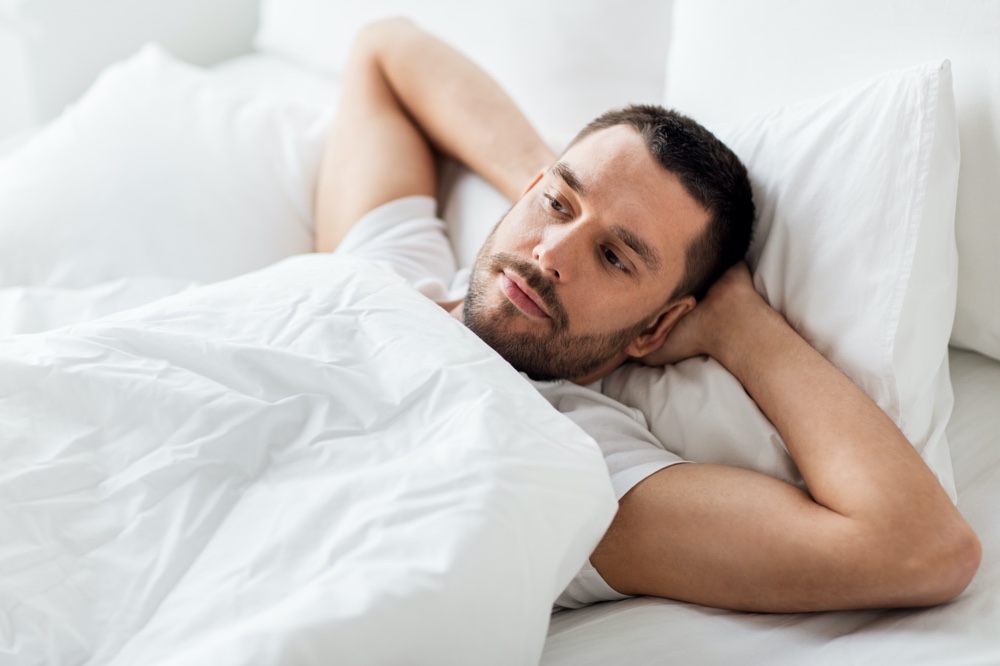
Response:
column 621, row 183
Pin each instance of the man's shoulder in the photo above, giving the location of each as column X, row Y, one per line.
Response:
column 406, row 237
column 570, row 398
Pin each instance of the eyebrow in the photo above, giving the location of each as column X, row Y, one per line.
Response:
column 566, row 172
column 643, row 249
column 639, row 246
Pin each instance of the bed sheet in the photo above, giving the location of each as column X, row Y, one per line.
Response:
column 966, row 631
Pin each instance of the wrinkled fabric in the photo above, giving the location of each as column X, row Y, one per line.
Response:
column 307, row 464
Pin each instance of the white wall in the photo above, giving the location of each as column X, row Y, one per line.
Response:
column 15, row 102
column 52, row 50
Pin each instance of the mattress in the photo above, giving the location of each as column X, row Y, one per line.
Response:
column 966, row 631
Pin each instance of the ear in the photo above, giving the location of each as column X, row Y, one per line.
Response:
column 538, row 177
column 653, row 337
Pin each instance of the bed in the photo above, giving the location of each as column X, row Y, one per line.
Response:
column 221, row 450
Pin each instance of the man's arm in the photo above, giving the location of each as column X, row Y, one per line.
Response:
column 406, row 94
column 875, row 530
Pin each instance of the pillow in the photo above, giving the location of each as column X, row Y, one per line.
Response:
column 157, row 171
column 808, row 49
column 563, row 62
column 470, row 208
column 855, row 246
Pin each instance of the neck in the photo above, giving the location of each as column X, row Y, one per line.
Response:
column 602, row 371
column 454, row 308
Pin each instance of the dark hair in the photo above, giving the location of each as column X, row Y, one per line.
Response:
column 710, row 172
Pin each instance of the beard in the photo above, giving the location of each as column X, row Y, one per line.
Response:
column 549, row 354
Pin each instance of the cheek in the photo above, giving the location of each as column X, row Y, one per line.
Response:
column 588, row 306
column 598, row 309
column 519, row 229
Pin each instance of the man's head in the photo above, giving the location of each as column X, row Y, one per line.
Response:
column 611, row 246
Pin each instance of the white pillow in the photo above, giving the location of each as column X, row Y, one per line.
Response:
column 855, row 246
column 158, row 171
column 770, row 53
column 564, row 62
column 470, row 208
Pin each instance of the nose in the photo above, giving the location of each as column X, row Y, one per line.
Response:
column 557, row 253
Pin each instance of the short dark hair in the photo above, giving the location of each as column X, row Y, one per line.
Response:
column 710, row 172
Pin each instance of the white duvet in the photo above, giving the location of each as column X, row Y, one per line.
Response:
column 310, row 464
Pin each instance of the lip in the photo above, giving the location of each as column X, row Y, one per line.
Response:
column 522, row 296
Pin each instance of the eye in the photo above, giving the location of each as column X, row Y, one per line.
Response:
column 613, row 259
column 554, row 204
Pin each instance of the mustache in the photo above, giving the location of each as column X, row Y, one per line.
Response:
column 541, row 285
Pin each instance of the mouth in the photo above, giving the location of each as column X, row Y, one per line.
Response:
column 522, row 296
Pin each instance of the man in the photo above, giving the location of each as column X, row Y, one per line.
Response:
column 600, row 261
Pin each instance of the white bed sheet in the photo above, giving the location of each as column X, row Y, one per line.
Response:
column 966, row 631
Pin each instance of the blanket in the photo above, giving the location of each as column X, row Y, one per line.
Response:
column 309, row 464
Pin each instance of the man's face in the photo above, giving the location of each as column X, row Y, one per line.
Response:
column 576, row 277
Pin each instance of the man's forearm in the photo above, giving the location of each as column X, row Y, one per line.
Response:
column 851, row 455
column 853, row 458
column 459, row 108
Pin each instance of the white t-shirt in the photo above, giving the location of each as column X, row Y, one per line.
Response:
column 406, row 237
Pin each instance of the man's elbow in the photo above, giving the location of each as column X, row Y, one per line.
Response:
column 960, row 563
column 942, row 567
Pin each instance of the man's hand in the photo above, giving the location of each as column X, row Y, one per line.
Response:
column 729, row 305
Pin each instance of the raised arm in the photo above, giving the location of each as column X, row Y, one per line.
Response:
column 875, row 530
column 405, row 95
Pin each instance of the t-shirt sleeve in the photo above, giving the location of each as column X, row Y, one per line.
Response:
column 630, row 450
column 406, row 237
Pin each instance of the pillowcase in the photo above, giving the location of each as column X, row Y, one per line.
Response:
column 470, row 208
column 158, row 171
column 564, row 62
column 855, row 246
column 808, row 49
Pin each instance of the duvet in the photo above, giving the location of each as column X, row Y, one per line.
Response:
column 309, row 464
